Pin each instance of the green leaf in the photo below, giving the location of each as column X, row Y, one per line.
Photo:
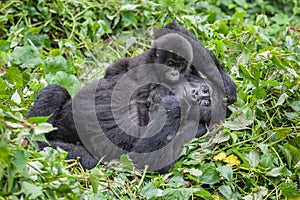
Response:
column 32, row 191
column 128, row 18
column 149, row 191
column 127, row 7
column 37, row 120
column 16, row 97
column 210, row 174
column 43, row 128
column 126, row 161
column 179, row 193
column 26, row 57
column 68, row 81
column 20, row 158
column 226, row 172
column 253, row 158
column 275, row 172
column 14, row 125
column 57, row 63
column 4, row 45
column 14, row 76
column 290, row 190
column 281, row 19
column 203, row 194
column 177, row 181
column 281, row 99
column 294, row 154
column 226, row 191
column 295, row 106
column 266, row 161
column 194, row 172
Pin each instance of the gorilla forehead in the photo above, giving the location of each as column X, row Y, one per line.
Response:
column 176, row 44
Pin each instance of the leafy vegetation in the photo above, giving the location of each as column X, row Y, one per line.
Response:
column 67, row 42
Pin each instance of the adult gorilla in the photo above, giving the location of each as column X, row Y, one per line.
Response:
column 150, row 119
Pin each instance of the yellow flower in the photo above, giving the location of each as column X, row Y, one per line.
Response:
column 232, row 160
column 221, row 156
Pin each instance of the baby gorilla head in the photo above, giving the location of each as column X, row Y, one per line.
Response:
column 175, row 65
column 201, row 94
column 174, row 52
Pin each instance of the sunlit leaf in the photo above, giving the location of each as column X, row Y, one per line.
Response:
column 281, row 99
column 16, row 97
column 226, row 172
column 44, row 128
column 26, row 57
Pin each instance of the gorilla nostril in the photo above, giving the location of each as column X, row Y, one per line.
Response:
column 205, row 103
column 205, row 90
column 174, row 73
column 194, row 97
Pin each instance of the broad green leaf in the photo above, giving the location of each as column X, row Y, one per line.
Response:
column 226, row 172
column 203, row 194
column 290, row 190
column 32, row 191
column 281, row 19
column 226, row 191
column 275, row 172
column 294, row 154
column 127, row 7
column 43, row 128
column 292, row 115
column 57, row 63
column 26, row 57
column 128, row 18
column 16, row 97
column 14, row 76
column 126, row 161
column 179, row 193
column 68, row 81
column 210, row 174
column 177, row 181
column 36, row 120
column 194, row 172
column 281, row 99
column 253, row 158
column 20, row 158
column 260, row 193
column 149, row 190
column 295, row 106
column 239, row 123
column 266, row 161
column 4, row 45
column 14, row 125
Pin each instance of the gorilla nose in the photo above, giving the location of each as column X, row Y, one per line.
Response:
column 174, row 73
column 201, row 93
column 204, row 91
column 205, row 102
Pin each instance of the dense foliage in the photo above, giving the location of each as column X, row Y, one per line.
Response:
column 69, row 42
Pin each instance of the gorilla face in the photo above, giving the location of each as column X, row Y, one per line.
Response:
column 176, row 65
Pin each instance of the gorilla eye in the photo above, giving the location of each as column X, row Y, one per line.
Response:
column 170, row 63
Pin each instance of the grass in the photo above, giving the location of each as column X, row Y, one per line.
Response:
column 257, row 153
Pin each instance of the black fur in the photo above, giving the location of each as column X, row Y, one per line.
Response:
column 55, row 101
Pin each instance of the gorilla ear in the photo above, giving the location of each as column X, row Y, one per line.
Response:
column 155, row 53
